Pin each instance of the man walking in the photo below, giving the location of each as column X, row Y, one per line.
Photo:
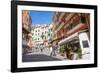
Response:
column 53, row 52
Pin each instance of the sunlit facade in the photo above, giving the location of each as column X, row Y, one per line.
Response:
column 67, row 26
column 41, row 34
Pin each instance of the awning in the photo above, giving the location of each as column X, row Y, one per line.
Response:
column 68, row 39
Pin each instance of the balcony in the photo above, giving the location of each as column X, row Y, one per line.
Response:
column 27, row 27
column 58, row 27
column 61, row 16
column 69, row 17
column 80, row 26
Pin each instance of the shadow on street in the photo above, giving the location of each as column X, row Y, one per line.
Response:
column 37, row 58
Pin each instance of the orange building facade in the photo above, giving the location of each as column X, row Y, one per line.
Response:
column 26, row 31
column 66, row 24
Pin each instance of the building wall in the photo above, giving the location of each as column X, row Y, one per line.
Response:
column 66, row 24
column 26, row 29
column 41, row 34
column 26, row 20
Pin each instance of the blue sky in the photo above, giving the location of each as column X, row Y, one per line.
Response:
column 41, row 17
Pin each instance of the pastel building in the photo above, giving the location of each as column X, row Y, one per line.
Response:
column 41, row 34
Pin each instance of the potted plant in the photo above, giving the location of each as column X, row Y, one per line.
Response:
column 62, row 50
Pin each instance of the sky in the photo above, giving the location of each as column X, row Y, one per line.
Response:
column 41, row 17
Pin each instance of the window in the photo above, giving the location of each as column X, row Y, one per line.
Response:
column 32, row 39
column 33, row 34
column 49, row 30
column 42, row 32
column 83, row 19
column 45, row 38
column 38, row 34
column 27, row 19
column 45, row 32
column 85, row 44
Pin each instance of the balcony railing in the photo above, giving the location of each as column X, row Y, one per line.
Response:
column 80, row 25
column 58, row 27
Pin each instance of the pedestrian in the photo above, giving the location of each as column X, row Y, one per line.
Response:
column 51, row 51
column 41, row 49
column 54, row 50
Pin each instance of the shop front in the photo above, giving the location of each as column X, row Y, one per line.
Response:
column 72, row 46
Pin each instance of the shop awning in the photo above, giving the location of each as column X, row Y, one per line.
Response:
column 69, row 39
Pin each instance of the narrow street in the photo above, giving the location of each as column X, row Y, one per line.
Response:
column 47, row 37
column 37, row 55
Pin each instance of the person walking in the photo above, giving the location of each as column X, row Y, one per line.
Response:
column 42, row 49
column 53, row 51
